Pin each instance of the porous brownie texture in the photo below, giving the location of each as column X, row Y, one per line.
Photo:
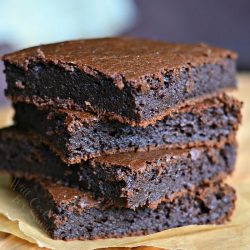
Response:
column 67, row 213
column 131, row 80
column 125, row 180
column 77, row 136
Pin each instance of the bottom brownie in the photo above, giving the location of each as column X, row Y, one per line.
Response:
column 67, row 213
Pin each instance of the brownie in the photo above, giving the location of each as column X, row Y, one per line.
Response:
column 66, row 213
column 132, row 80
column 76, row 136
column 125, row 180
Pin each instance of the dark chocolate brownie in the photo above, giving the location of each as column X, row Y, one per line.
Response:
column 76, row 136
column 66, row 213
column 132, row 80
column 127, row 179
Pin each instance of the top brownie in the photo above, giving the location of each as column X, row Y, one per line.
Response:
column 135, row 81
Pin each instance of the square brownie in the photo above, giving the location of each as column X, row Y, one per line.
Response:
column 131, row 80
column 129, row 180
column 67, row 213
column 77, row 136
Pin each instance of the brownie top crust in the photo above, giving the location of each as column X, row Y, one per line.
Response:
column 70, row 196
column 142, row 161
column 121, row 58
column 79, row 201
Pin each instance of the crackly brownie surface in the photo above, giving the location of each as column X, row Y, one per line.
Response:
column 127, row 179
column 67, row 213
column 76, row 136
column 132, row 80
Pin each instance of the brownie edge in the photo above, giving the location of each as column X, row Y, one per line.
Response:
column 68, row 214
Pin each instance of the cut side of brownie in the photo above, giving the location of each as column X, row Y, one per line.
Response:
column 125, row 180
column 77, row 136
column 67, row 213
column 131, row 80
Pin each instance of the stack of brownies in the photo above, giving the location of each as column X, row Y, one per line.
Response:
column 120, row 136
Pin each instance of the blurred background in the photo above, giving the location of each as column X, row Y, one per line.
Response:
column 223, row 23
